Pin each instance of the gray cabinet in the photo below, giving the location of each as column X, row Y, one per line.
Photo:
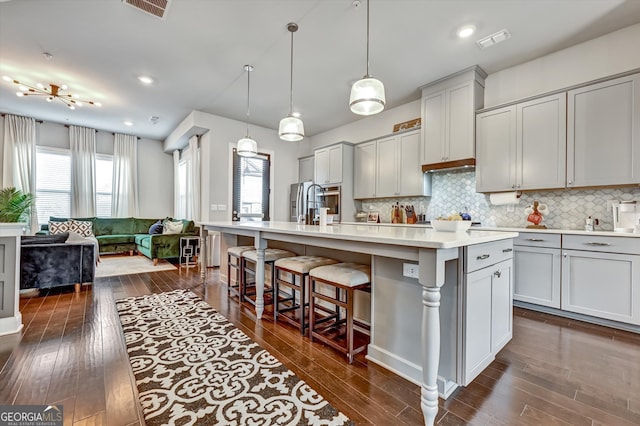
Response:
column 306, row 169
column 448, row 116
column 522, row 146
column 537, row 268
column 601, row 277
column 603, row 133
column 328, row 165
column 364, row 170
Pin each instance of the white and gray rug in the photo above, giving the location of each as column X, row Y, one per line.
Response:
column 192, row 366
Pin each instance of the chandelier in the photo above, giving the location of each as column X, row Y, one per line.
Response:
column 52, row 92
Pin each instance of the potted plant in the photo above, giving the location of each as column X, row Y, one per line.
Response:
column 15, row 205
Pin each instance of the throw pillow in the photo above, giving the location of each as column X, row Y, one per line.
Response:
column 58, row 227
column 84, row 228
column 156, row 228
column 172, row 227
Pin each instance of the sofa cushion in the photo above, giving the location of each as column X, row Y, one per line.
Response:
column 143, row 240
column 116, row 239
column 141, row 226
column 171, row 227
column 113, row 226
column 156, row 228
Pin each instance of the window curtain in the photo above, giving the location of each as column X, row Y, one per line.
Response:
column 176, row 183
column 83, row 171
column 124, row 202
column 19, row 158
column 194, row 178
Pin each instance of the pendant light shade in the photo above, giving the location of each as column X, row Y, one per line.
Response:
column 291, row 128
column 367, row 94
column 246, row 146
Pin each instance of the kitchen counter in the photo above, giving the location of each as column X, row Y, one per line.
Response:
column 410, row 243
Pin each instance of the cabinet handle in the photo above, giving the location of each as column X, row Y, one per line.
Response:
column 513, row 186
column 507, row 250
column 595, row 243
column 482, row 257
column 498, row 273
column 564, row 255
column 536, row 240
column 570, row 182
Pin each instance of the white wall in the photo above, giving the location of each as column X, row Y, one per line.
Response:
column 219, row 135
column 155, row 168
column 604, row 56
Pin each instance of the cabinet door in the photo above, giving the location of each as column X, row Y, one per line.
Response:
column 604, row 285
column 459, row 141
column 387, row 164
column 335, row 164
column 306, row 169
column 541, row 143
column 433, row 128
column 501, row 304
column 602, row 134
column 537, row 275
column 321, row 166
column 496, row 150
column 477, row 324
column 411, row 177
column 364, row 183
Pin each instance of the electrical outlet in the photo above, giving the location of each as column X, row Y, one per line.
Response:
column 410, row 270
column 222, row 207
column 214, row 207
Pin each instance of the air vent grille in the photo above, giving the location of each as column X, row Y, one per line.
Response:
column 157, row 8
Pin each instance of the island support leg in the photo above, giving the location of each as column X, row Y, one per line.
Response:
column 260, row 245
column 431, row 277
column 203, row 252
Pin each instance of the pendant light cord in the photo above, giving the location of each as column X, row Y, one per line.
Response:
column 367, row 39
column 248, row 68
column 291, row 79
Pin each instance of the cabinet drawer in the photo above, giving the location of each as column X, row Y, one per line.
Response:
column 625, row 245
column 538, row 239
column 482, row 255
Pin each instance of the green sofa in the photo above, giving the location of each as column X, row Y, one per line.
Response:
column 118, row 235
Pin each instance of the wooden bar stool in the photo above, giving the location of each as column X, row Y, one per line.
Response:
column 248, row 286
column 235, row 254
column 327, row 325
column 295, row 306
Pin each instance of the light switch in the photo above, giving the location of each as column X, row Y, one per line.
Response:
column 222, row 207
column 410, row 270
column 214, row 207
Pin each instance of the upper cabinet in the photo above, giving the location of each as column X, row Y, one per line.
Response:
column 522, row 146
column 603, row 133
column 448, row 116
column 306, row 169
column 390, row 167
column 329, row 164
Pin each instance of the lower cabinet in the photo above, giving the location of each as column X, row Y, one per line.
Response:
column 537, row 274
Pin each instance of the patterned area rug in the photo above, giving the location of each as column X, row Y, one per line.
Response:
column 192, row 366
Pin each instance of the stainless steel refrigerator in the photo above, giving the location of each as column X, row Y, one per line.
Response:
column 298, row 208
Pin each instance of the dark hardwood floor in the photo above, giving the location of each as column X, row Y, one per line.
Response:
column 555, row 371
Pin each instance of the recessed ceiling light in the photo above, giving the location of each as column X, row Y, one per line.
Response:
column 145, row 79
column 466, row 31
column 127, row 123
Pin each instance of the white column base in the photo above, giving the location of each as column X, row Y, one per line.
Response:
column 10, row 325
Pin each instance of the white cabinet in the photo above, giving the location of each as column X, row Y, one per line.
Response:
column 488, row 301
column 390, row 167
column 306, row 169
column 328, row 165
column 522, row 146
column 601, row 277
column 603, row 133
column 448, row 116
column 364, row 170
column 537, row 272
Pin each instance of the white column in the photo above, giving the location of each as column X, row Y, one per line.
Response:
column 431, row 264
column 203, row 252
column 260, row 245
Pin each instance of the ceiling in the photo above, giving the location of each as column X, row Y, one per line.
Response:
column 197, row 52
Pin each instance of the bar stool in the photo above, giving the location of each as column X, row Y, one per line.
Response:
column 298, row 267
column 332, row 329
column 270, row 256
column 235, row 254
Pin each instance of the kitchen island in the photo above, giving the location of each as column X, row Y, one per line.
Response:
column 432, row 251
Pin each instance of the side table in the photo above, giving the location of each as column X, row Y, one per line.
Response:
column 189, row 251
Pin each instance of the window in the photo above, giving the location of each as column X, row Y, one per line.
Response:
column 251, row 187
column 104, row 184
column 53, row 183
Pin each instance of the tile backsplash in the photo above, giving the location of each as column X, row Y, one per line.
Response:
column 455, row 191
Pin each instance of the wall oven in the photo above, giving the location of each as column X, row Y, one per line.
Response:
column 331, row 199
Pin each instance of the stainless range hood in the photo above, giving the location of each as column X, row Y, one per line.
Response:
column 449, row 165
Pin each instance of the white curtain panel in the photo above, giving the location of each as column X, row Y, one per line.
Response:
column 83, row 171
column 19, row 158
column 124, row 202
column 194, row 178
column 176, row 183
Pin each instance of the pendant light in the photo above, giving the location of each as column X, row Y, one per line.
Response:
column 367, row 94
column 247, row 147
column 291, row 128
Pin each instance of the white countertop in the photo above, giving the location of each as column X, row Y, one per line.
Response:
column 511, row 229
column 408, row 235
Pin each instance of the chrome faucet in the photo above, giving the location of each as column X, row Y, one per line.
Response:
column 311, row 212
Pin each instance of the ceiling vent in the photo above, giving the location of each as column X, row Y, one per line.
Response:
column 157, row 8
column 496, row 38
